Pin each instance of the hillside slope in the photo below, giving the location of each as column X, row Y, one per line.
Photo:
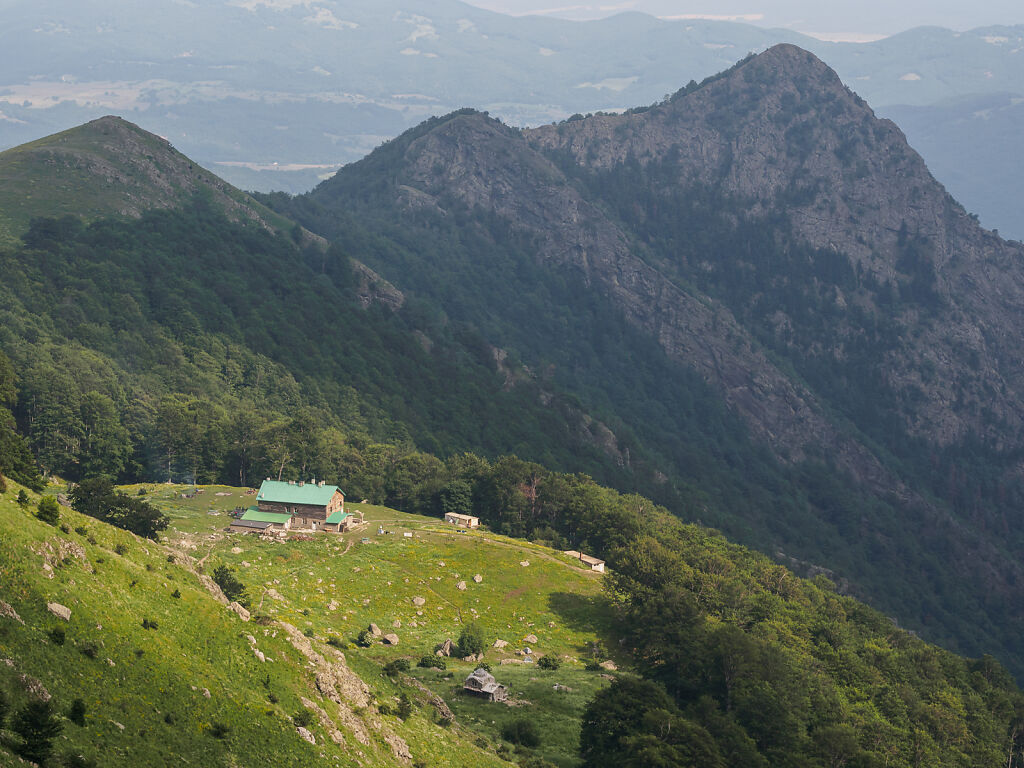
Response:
column 108, row 167
column 786, row 250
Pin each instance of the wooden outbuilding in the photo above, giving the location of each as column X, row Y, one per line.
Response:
column 594, row 563
column 463, row 521
column 482, row 683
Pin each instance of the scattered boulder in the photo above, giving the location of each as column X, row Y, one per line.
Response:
column 60, row 611
column 205, row 692
column 259, row 654
column 306, row 735
column 396, row 624
column 445, row 648
column 499, row 644
column 236, row 550
column 461, row 586
column 609, row 665
column 531, row 639
column 524, row 563
column 33, row 687
column 333, row 605
column 242, row 612
column 478, row 578
column 375, row 630
column 473, row 657
column 391, row 638
column 8, row 612
column 418, row 601
column 273, row 594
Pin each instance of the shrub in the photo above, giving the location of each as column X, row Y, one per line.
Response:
column 22, row 498
column 303, row 718
column 232, row 588
column 549, row 662
column 89, row 649
column 38, row 726
column 435, row 662
column 272, row 697
column 365, row 638
column 308, row 632
column 120, row 549
column 75, row 760
column 142, row 492
column 76, row 713
column 521, row 731
column 65, row 528
column 150, row 624
column 336, row 641
column 176, row 594
column 404, row 707
column 4, row 706
column 471, row 641
column 169, row 718
column 48, row 510
column 219, row 730
column 170, row 558
column 58, row 635
column 81, row 530
column 593, row 666
column 392, row 668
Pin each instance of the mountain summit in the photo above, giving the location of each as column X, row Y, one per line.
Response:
column 108, row 167
column 774, row 241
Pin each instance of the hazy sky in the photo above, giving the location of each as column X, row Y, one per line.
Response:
column 823, row 18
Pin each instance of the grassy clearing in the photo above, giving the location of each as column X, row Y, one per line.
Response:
column 144, row 688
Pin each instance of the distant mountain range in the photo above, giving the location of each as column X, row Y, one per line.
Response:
column 277, row 94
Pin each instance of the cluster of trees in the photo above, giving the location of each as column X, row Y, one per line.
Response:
column 97, row 497
column 744, row 664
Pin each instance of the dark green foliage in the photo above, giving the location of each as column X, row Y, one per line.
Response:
column 75, row 760
column 405, row 708
column 303, row 718
column 76, row 713
column 22, row 498
column 521, row 731
column 396, row 666
column 89, row 649
column 229, row 584
column 549, row 662
column 365, row 638
column 37, row 726
column 150, row 624
column 4, row 708
column 219, row 730
column 96, row 497
column 176, row 594
column 48, row 510
column 432, row 662
column 58, row 636
column 471, row 640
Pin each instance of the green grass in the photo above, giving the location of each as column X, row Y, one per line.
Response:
column 331, row 586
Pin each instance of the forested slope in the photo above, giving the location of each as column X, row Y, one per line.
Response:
column 763, row 283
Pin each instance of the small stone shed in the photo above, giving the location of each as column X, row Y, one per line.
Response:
column 482, row 683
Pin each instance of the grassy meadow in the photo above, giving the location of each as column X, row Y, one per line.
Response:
column 144, row 688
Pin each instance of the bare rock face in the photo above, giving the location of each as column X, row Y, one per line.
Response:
column 531, row 639
column 8, row 612
column 461, row 586
column 418, row 601
column 60, row 611
column 242, row 612
column 305, row 734
column 391, row 638
column 375, row 630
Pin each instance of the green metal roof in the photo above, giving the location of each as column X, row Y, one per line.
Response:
column 285, row 493
column 266, row 517
column 337, row 517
